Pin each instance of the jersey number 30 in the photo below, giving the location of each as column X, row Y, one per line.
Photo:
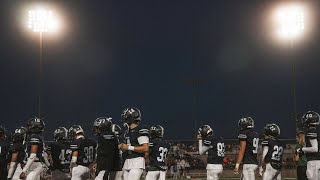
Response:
column 88, row 154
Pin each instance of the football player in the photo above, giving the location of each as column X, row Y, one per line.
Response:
column 34, row 150
column 60, row 153
column 17, row 153
column 107, row 147
column 272, row 153
column 214, row 145
column 311, row 120
column 116, row 171
column 83, row 153
column 4, row 147
column 249, row 141
column 136, row 144
column 158, row 150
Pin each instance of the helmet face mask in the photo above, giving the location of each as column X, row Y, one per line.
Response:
column 101, row 125
column 35, row 125
column 156, row 131
column 271, row 130
column 245, row 123
column 116, row 129
column 130, row 115
column 310, row 119
column 74, row 131
column 205, row 131
column 60, row 134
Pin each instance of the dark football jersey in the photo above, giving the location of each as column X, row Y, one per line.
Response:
column 118, row 161
column 61, row 155
column 158, row 151
column 19, row 147
column 216, row 149
column 35, row 139
column 131, row 138
column 275, row 152
column 4, row 149
column 86, row 151
column 107, row 151
column 252, row 143
column 310, row 134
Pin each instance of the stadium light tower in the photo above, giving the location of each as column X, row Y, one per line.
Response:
column 41, row 21
column 291, row 27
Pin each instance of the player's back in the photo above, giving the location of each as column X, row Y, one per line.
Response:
column 86, row 150
column 216, row 151
column 275, row 152
column 107, row 151
column 158, row 150
column 61, row 155
column 252, row 143
column 35, row 139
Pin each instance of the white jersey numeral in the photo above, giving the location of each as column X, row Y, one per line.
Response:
column 163, row 154
column 255, row 145
column 220, row 149
column 278, row 150
column 88, row 154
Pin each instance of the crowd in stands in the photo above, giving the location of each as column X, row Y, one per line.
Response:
column 184, row 156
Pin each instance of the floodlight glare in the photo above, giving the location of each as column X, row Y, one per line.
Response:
column 42, row 21
column 291, row 20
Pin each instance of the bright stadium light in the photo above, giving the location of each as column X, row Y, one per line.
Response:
column 291, row 22
column 42, row 21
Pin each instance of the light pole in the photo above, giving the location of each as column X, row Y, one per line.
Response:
column 291, row 27
column 41, row 21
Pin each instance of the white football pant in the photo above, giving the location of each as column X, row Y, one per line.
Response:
column 80, row 173
column 34, row 171
column 214, row 171
column 271, row 174
column 156, row 175
column 132, row 174
column 248, row 172
column 313, row 168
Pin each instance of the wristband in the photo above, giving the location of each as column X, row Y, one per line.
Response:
column 131, row 148
column 237, row 165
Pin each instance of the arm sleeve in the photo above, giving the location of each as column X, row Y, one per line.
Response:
column 74, row 146
column 242, row 136
column 204, row 146
column 143, row 140
column 313, row 148
column 29, row 162
column 264, row 152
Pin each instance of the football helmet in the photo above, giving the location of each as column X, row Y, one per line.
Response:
column 116, row 129
column 101, row 125
column 311, row 118
column 130, row 115
column 204, row 131
column 156, row 131
column 35, row 125
column 19, row 134
column 245, row 123
column 61, row 133
column 75, row 130
column 271, row 130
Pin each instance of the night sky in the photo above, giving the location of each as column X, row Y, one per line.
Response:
column 181, row 62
